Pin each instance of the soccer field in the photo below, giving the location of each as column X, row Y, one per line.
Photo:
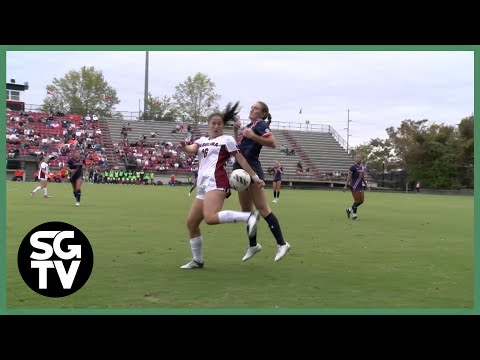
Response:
column 408, row 251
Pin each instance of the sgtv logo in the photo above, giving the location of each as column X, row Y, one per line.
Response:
column 55, row 259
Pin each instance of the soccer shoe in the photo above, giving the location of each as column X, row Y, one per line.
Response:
column 274, row 200
column 355, row 217
column 47, row 196
column 281, row 251
column 32, row 193
column 194, row 264
column 252, row 250
column 252, row 223
column 348, row 212
column 77, row 204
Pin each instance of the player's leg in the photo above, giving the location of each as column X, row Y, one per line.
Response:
column 357, row 201
column 78, row 190
column 39, row 187
column 213, row 213
column 261, row 203
column 194, row 218
column 279, row 185
column 44, row 188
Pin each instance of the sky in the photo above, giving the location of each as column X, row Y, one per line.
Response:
column 373, row 89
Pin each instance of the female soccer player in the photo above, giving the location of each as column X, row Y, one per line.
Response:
column 277, row 180
column 75, row 166
column 356, row 181
column 250, row 142
column 43, row 174
column 213, row 184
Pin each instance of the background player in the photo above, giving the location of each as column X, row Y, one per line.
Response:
column 43, row 174
column 356, row 181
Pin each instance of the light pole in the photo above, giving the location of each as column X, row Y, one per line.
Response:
column 145, row 96
column 348, row 129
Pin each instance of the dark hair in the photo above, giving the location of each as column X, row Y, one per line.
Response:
column 268, row 116
column 228, row 114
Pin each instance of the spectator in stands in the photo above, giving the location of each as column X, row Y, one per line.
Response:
column 43, row 175
column 212, row 183
column 356, row 181
column 18, row 175
column 251, row 139
column 299, row 168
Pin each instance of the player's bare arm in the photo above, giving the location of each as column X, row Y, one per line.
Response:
column 268, row 141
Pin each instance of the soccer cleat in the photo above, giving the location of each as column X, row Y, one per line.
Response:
column 348, row 212
column 274, row 200
column 194, row 264
column 47, row 196
column 281, row 251
column 32, row 193
column 355, row 217
column 77, row 204
column 252, row 223
column 252, row 250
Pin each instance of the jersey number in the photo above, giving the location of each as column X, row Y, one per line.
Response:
column 205, row 152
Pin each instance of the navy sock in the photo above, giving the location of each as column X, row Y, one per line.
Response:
column 274, row 227
column 75, row 194
column 278, row 194
column 354, row 207
column 253, row 240
column 79, row 194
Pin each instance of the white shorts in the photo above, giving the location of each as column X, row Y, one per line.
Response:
column 207, row 184
column 201, row 191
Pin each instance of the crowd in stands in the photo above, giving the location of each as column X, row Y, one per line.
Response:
column 155, row 154
column 37, row 134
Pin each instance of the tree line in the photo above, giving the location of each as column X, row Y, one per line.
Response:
column 87, row 92
column 440, row 156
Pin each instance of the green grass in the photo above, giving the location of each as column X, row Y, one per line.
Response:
column 408, row 251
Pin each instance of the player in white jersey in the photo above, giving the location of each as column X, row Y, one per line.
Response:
column 43, row 174
column 212, row 183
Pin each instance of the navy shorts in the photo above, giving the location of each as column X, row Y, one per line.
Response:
column 255, row 166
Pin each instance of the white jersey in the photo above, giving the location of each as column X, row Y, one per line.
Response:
column 44, row 171
column 212, row 157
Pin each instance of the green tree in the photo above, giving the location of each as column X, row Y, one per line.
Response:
column 195, row 97
column 465, row 147
column 378, row 155
column 81, row 92
column 161, row 109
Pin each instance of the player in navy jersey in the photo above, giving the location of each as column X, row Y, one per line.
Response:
column 250, row 141
column 356, row 182
column 277, row 180
column 75, row 166
column 213, row 153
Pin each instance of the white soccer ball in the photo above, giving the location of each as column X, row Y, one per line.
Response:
column 239, row 180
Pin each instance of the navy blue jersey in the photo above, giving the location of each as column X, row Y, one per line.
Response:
column 358, row 177
column 74, row 164
column 277, row 173
column 250, row 149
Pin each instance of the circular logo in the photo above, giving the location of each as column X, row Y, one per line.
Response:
column 55, row 259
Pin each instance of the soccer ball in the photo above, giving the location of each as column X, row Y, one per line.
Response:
column 239, row 180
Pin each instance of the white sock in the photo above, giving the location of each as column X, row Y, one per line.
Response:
column 37, row 188
column 45, row 191
column 230, row 216
column 196, row 246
